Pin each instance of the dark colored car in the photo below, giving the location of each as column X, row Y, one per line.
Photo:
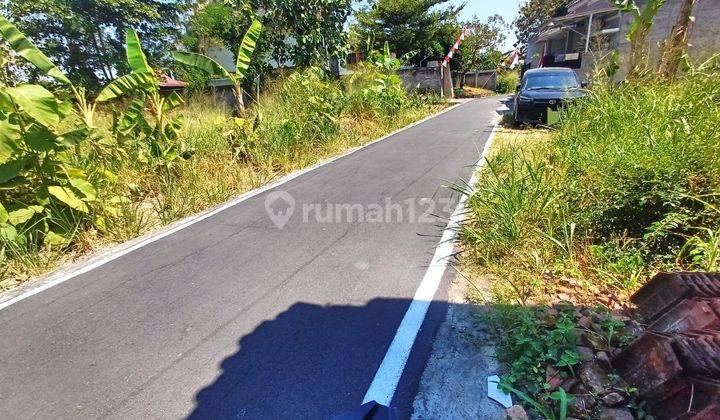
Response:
column 543, row 89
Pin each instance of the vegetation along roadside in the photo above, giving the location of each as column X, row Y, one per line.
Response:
column 565, row 224
column 79, row 172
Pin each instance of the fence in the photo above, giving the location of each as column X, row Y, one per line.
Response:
column 426, row 79
column 486, row 79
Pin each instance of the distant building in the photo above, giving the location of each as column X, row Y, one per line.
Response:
column 169, row 84
column 591, row 29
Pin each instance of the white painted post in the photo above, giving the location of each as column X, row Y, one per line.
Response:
column 567, row 42
column 442, row 82
column 589, row 33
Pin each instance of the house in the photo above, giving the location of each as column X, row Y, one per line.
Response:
column 583, row 38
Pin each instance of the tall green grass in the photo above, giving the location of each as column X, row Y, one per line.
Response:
column 638, row 156
column 628, row 185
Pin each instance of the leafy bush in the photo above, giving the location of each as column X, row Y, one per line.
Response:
column 375, row 90
column 507, row 82
column 372, row 93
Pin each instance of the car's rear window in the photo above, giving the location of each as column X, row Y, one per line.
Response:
column 559, row 80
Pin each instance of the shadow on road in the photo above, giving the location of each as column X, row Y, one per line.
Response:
column 312, row 362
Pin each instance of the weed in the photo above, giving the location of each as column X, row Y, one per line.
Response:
column 507, row 82
column 533, row 340
column 513, row 195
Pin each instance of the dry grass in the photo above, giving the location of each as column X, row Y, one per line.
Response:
column 471, row 92
column 214, row 175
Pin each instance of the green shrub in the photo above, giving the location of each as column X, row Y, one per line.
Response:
column 376, row 93
column 507, row 82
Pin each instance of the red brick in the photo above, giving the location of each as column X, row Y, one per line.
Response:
column 666, row 290
column 690, row 314
column 650, row 365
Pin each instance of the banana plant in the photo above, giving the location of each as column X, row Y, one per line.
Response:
column 44, row 196
column 147, row 119
column 215, row 70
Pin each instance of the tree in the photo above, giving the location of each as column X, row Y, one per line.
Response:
column 482, row 42
column 85, row 37
column 317, row 29
column 423, row 26
column 533, row 14
column 297, row 31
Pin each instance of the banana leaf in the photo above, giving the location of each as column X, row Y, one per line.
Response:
column 133, row 114
column 10, row 139
column 135, row 55
column 26, row 49
column 125, row 85
column 247, row 49
column 172, row 101
column 211, row 67
column 37, row 102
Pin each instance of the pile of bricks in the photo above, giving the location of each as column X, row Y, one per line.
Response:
column 675, row 364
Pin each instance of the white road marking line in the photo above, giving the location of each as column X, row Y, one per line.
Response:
column 66, row 274
column 382, row 389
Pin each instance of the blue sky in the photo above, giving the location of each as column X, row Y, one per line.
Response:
column 483, row 8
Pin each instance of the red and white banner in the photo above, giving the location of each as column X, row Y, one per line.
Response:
column 514, row 58
column 454, row 48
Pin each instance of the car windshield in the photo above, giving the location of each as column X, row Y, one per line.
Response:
column 561, row 81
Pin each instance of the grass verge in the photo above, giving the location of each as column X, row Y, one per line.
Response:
column 300, row 120
column 564, row 225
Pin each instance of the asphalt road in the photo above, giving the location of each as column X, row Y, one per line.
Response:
column 232, row 317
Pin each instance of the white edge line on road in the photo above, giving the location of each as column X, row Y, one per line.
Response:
column 103, row 258
column 382, row 389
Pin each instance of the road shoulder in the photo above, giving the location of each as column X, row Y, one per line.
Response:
column 453, row 385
